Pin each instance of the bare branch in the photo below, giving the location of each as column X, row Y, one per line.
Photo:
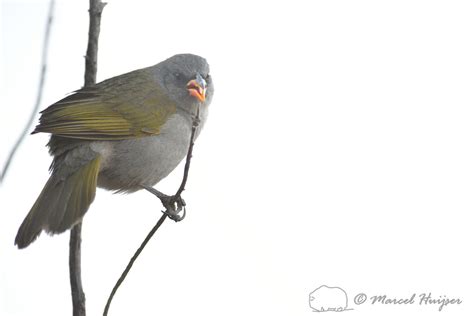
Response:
column 77, row 293
column 39, row 96
column 95, row 14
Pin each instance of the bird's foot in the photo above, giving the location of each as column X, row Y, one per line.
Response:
column 174, row 205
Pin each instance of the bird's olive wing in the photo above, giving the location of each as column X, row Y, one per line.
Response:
column 127, row 106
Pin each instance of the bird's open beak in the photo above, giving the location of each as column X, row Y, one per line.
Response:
column 197, row 88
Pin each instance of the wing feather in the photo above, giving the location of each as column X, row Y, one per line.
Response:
column 124, row 107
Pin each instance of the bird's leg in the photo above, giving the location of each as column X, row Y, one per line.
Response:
column 173, row 204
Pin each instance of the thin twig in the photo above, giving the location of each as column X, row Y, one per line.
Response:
column 167, row 202
column 132, row 261
column 44, row 60
column 189, row 156
column 77, row 292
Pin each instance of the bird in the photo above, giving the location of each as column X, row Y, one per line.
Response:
column 123, row 134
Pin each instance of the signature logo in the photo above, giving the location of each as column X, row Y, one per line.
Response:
column 334, row 299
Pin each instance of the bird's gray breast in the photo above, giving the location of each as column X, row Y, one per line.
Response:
column 128, row 164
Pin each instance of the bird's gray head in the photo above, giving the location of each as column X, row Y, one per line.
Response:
column 186, row 78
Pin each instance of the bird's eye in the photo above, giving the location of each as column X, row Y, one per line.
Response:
column 207, row 78
column 177, row 75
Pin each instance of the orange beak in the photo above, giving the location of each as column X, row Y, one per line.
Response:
column 196, row 90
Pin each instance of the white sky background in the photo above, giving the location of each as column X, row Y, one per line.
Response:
column 339, row 150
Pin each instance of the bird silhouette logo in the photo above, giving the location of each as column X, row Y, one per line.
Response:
column 328, row 299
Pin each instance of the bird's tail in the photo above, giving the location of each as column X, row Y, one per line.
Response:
column 62, row 203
